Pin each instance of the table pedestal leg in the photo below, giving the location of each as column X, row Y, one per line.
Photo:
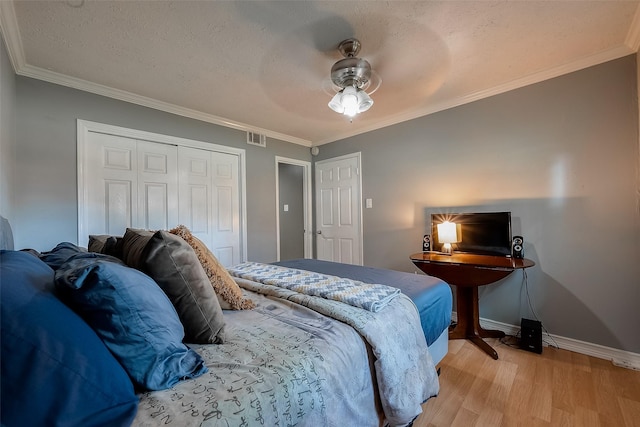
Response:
column 468, row 326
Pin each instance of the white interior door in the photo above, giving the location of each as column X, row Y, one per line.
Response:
column 210, row 200
column 339, row 210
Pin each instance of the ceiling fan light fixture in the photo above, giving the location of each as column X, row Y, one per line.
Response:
column 352, row 75
column 335, row 103
column 364, row 101
column 349, row 101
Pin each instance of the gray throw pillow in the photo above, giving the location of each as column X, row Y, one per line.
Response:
column 134, row 242
column 106, row 244
column 174, row 266
column 97, row 242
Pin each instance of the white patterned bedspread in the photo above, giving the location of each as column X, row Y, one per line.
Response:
column 284, row 364
column 370, row 296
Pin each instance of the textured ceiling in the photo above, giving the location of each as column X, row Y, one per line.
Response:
column 264, row 65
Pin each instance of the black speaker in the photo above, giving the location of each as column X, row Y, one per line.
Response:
column 531, row 335
column 517, row 247
column 426, row 243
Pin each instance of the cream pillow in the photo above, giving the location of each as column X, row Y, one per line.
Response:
column 229, row 293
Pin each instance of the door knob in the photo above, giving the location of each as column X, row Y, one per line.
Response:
column 319, row 232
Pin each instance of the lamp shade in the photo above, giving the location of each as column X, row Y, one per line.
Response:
column 448, row 232
column 335, row 104
column 350, row 101
column 364, row 101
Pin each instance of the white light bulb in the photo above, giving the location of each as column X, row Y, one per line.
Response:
column 350, row 101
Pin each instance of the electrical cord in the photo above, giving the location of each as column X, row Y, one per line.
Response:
column 514, row 340
column 511, row 340
column 533, row 311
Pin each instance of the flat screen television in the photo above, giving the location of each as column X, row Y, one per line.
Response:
column 485, row 233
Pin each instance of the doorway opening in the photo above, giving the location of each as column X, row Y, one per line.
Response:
column 293, row 209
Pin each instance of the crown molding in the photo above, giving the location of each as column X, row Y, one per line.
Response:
column 633, row 36
column 75, row 83
column 98, row 89
column 10, row 32
column 586, row 62
column 11, row 35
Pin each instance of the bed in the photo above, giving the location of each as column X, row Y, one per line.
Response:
column 431, row 295
column 289, row 359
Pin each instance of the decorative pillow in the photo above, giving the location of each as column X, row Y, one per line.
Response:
column 97, row 242
column 55, row 369
column 105, row 244
column 133, row 243
column 33, row 252
column 229, row 294
column 134, row 318
column 173, row 264
column 60, row 254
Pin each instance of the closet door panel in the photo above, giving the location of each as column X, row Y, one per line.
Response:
column 111, row 190
column 198, row 208
column 226, row 207
column 157, row 186
column 209, row 200
column 117, row 202
column 195, row 191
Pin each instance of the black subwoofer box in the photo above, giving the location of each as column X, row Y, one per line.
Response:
column 531, row 335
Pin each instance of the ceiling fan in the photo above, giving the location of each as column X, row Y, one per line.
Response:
column 352, row 76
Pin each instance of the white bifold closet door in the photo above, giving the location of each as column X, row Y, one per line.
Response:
column 209, row 200
column 130, row 183
column 151, row 185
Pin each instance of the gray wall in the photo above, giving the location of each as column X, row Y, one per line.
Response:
column 562, row 156
column 7, row 132
column 45, row 186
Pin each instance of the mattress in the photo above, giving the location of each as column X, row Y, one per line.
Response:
column 431, row 295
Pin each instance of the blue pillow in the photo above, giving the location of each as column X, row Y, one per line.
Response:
column 55, row 369
column 134, row 318
column 60, row 254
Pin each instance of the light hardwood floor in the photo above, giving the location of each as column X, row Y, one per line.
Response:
column 556, row 388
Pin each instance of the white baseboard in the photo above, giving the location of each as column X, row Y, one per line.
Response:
column 622, row 358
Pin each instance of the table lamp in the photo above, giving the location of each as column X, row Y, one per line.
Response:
column 448, row 233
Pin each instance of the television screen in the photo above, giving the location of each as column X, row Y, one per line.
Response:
column 487, row 233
